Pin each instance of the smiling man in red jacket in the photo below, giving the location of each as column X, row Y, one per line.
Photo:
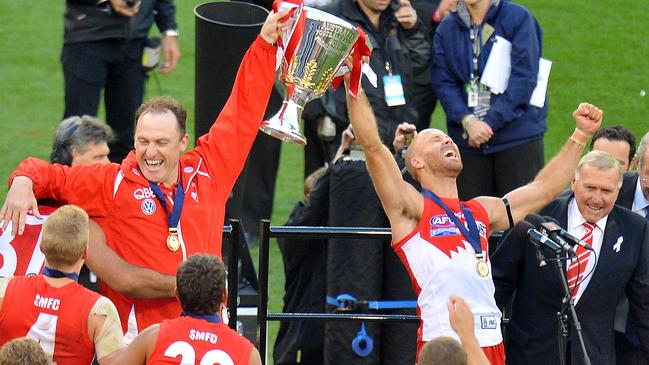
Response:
column 159, row 206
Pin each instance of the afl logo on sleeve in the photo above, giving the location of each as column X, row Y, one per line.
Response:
column 148, row 206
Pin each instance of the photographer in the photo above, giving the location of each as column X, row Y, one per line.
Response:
column 103, row 43
column 399, row 51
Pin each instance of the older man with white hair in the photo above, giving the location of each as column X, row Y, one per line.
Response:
column 618, row 264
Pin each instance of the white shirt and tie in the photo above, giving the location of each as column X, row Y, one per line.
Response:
column 576, row 228
column 640, row 203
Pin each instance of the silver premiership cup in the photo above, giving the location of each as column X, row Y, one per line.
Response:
column 325, row 43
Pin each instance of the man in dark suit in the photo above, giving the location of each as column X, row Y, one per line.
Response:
column 620, row 143
column 621, row 265
column 634, row 195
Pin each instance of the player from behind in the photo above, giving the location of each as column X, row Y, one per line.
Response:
column 199, row 336
column 70, row 322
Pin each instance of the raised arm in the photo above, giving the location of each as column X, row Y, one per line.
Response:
column 552, row 179
column 125, row 278
column 401, row 202
column 226, row 146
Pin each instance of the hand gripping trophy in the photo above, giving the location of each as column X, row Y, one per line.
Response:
column 314, row 47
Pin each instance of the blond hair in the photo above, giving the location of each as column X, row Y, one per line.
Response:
column 65, row 236
column 312, row 179
column 442, row 350
column 22, row 351
column 602, row 161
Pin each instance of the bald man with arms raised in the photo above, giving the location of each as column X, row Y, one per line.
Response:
column 443, row 241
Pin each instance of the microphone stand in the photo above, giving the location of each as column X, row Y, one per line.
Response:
column 568, row 305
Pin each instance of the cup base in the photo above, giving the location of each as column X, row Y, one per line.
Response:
column 283, row 133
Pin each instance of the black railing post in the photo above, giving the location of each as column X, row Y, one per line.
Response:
column 233, row 272
column 262, row 309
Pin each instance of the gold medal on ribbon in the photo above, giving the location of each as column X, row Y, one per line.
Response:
column 173, row 242
column 481, row 266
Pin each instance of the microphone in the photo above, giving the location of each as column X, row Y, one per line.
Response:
column 538, row 222
column 552, row 228
column 521, row 231
column 525, row 229
column 540, row 259
column 549, row 230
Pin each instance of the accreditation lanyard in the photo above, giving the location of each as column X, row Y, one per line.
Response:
column 56, row 274
column 179, row 199
column 472, row 234
column 212, row 318
column 475, row 50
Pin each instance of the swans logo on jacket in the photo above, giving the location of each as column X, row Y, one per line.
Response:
column 443, row 233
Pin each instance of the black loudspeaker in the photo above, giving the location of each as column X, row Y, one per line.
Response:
column 224, row 31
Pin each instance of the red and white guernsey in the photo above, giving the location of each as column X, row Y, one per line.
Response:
column 441, row 263
column 188, row 341
column 21, row 255
column 55, row 317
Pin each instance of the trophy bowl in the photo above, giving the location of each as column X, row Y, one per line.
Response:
column 323, row 46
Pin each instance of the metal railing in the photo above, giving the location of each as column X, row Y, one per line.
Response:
column 266, row 232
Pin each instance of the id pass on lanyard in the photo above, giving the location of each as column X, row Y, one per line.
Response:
column 478, row 96
column 393, row 88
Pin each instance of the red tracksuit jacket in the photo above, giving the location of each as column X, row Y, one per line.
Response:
column 120, row 200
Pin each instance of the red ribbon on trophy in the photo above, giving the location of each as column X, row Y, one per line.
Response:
column 289, row 45
column 360, row 50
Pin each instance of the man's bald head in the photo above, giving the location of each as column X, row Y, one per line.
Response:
column 434, row 150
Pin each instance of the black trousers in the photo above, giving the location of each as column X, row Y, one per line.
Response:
column 627, row 353
column 425, row 101
column 499, row 173
column 114, row 67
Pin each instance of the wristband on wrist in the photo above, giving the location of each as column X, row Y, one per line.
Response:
column 583, row 133
column 577, row 141
column 579, row 137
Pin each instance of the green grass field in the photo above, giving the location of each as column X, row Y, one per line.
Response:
column 599, row 51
